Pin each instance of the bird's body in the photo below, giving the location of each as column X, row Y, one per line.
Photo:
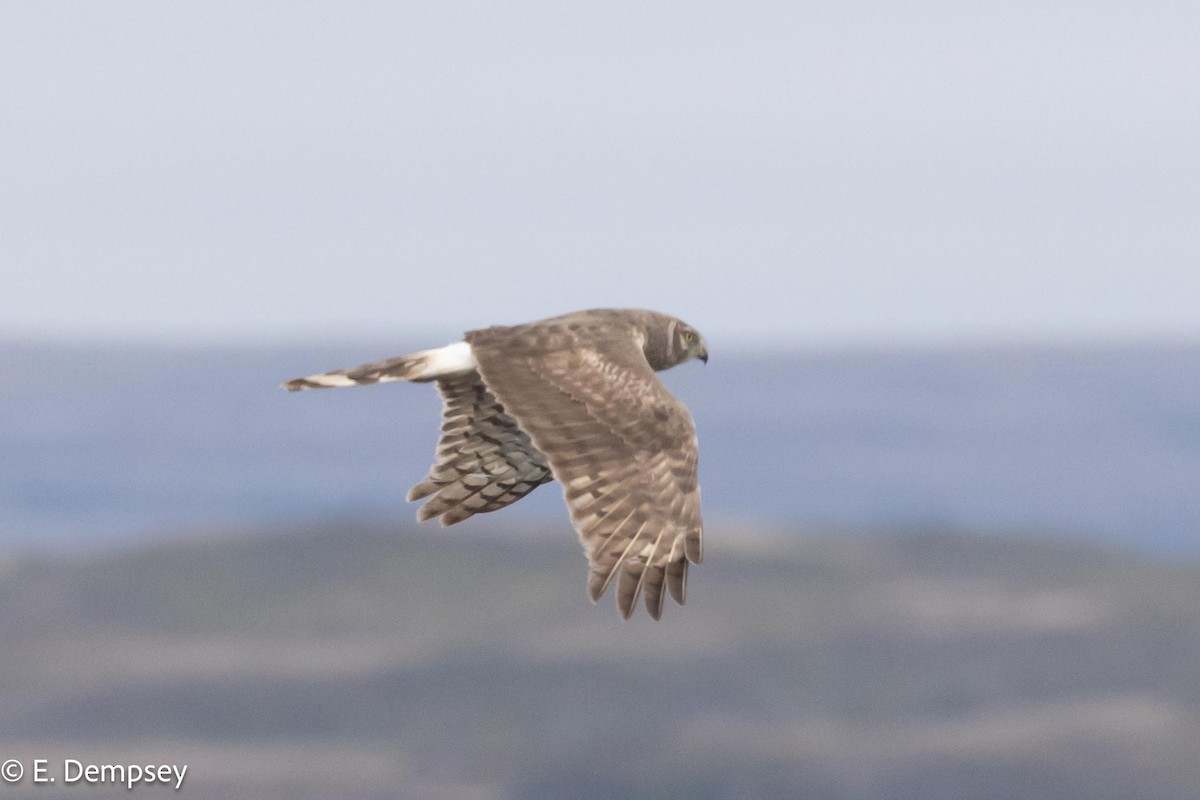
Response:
column 572, row 398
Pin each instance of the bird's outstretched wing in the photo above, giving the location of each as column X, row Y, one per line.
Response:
column 623, row 447
column 484, row 460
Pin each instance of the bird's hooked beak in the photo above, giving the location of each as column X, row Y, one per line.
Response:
column 703, row 354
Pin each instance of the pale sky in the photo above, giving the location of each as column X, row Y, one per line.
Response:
column 779, row 173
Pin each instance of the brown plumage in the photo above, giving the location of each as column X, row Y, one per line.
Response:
column 572, row 398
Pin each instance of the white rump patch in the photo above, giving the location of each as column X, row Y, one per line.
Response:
column 449, row 360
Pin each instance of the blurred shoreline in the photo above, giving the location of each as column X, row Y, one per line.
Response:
column 104, row 442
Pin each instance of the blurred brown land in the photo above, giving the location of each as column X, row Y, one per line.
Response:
column 383, row 661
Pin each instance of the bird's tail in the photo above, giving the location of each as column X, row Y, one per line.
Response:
column 427, row 365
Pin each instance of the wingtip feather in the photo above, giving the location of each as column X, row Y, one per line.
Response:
column 628, row 587
column 693, row 546
column 653, row 591
column 421, row 491
column 677, row 580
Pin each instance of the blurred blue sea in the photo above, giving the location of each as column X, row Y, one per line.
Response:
column 99, row 443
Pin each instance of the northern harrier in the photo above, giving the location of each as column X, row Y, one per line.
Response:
column 574, row 399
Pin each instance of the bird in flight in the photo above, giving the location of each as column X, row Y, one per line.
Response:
column 575, row 399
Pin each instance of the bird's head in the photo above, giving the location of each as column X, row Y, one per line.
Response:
column 690, row 344
column 670, row 341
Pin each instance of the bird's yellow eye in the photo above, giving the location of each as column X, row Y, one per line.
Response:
column 687, row 337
